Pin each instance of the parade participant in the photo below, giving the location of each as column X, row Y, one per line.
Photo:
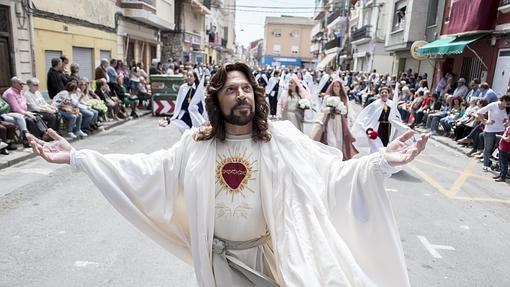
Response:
column 332, row 124
column 181, row 117
column 273, row 93
column 325, row 81
column 255, row 203
column 289, row 105
column 378, row 123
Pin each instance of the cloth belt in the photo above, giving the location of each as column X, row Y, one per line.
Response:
column 384, row 122
column 229, row 263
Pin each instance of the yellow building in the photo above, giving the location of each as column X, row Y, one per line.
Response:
column 287, row 41
column 82, row 30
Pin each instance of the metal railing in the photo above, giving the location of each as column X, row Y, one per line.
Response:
column 335, row 14
column 150, row 2
column 361, row 33
column 332, row 43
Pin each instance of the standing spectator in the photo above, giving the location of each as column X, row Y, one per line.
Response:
column 18, row 104
column 442, row 83
column 37, row 104
column 56, row 81
column 75, row 72
column 111, row 71
column 153, row 70
column 504, row 152
column 462, row 90
column 100, row 72
column 487, row 93
column 494, row 125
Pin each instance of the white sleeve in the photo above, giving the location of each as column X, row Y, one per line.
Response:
column 145, row 188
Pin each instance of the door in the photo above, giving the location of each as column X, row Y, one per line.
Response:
column 7, row 67
column 501, row 78
column 83, row 57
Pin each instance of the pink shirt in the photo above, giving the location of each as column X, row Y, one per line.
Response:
column 17, row 102
column 503, row 145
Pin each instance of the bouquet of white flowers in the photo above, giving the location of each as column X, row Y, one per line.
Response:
column 337, row 106
column 304, row 104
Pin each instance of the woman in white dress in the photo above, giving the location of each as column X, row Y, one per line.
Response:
column 332, row 124
column 288, row 105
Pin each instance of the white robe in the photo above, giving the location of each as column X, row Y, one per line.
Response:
column 330, row 221
column 369, row 118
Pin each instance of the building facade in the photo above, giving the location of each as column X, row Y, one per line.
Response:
column 287, row 42
column 139, row 27
column 474, row 44
column 410, row 21
column 187, row 42
column 83, row 31
column 220, row 32
column 330, row 32
column 368, row 29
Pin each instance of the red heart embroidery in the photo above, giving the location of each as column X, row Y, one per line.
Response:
column 233, row 174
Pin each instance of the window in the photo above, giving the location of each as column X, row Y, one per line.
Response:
column 432, row 16
column 294, row 34
column 277, row 33
column 294, row 50
column 83, row 57
column 399, row 17
column 276, row 48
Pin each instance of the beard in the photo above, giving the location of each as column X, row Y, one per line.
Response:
column 239, row 120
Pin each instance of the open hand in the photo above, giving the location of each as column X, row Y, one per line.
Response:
column 398, row 152
column 56, row 151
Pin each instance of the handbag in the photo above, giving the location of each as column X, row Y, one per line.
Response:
column 4, row 107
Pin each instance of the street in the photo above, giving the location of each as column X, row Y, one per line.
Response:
column 58, row 230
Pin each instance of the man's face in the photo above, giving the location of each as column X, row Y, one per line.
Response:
column 33, row 88
column 237, row 100
column 461, row 83
column 384, row 95
column 18, row 85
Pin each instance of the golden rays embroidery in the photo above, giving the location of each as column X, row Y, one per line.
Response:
column 233, row 172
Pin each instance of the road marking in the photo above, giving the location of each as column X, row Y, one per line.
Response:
column 459, row 182
column 41, row 171
column 428, row 179
column 84, row 263
column 482, row 199
column 464, row 227
column 392, row 190
column 432, row 248
column 452, row 170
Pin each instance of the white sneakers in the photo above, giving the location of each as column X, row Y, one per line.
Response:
column 72, row 136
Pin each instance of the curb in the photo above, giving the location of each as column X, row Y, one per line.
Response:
column 27, row 152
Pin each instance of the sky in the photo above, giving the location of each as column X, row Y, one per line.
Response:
column 250, row 15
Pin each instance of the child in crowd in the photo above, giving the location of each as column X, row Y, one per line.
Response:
column 504, row 152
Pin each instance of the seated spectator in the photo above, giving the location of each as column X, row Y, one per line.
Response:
column 142, row 93
column 90, row 99
column 89, row 115
column 466, row 122
column 456, row 110
column 56, row 80
column 7, row 137
column 425, row 108
column 18, row 104
column 462, row 90
column 474, row 90
column 69, row 111
column 37, row 104
column 475, row 136
column 113, row 103
column 14, row 118
column 129, row 99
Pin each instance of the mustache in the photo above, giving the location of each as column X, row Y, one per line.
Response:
column 242, row 103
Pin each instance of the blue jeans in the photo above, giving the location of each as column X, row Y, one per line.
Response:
column 73, row 121
column 88, row 118
column 17, row 119
column 490, row 143
column 503, row 164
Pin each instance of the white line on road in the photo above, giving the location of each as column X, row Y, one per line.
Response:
column 432, row 248
column 84, row 263
column 41, row 171
column 392, row 190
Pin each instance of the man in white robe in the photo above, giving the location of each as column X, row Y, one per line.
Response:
column 254, row 203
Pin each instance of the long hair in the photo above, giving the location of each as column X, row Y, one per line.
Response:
column 296, row 88
column 342, row 95
column 216, row 126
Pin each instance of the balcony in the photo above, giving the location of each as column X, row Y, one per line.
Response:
column 504, row 6
column 314, row 48
column 337, row 13
column 361, row 33
column 145, row 12
column 223, row 43
column 334, row 43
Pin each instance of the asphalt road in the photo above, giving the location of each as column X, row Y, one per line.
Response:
column 58, row 230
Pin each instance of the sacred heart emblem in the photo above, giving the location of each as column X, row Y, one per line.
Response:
column 233, row 174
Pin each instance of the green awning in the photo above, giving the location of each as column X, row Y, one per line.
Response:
column 449, row 45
